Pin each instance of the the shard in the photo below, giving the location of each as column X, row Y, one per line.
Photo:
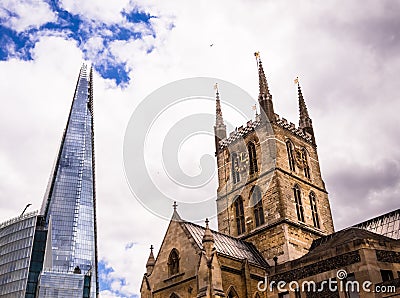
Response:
column 59, row 256
column 69, row 206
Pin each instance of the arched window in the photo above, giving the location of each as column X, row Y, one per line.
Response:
column 235, row 168
column 299, row 204
column 239, row 214
column 305, row 163
column 314, row 210
column 173, row 262
column 289, row 148
column 232, row 293
column 253, row 167
column 256, row 199
column 173, row 295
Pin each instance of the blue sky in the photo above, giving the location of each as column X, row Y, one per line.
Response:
column 19, row 42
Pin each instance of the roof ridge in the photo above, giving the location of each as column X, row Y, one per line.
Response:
column 217, row 232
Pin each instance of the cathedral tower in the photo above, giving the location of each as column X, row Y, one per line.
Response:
column 271, row 191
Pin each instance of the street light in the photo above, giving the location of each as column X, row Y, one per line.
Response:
column 26, row 207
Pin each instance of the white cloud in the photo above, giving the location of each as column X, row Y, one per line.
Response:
column 25, row 14
column 100, row 10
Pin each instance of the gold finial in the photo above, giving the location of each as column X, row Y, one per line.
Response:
column 175, row 205
column 296, row 80
column 257, row 54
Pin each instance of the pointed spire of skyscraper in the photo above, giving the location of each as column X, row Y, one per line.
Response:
column 220, row 127
column 305, row 122
column 265, row 96
column 70, row 200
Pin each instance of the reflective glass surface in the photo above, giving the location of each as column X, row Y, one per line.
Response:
column 387, row 224
column 57, row 284
column 16, row 240
column 69, row 201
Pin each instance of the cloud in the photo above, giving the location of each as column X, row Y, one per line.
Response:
column 26, row 14
column 93, row 27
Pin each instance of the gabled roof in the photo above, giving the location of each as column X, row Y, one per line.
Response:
column 227, row 245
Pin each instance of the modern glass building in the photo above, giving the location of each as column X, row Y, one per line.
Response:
column 54, row 253
column 386, row 224
column 16, row 243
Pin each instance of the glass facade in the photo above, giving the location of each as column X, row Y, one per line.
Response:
column 57, row 284
column 69, row 203
column 387, row 224
column 16, row 241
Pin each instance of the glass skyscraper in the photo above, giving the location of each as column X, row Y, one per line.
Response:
column 57, row 256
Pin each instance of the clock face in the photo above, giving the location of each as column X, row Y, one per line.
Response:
column 243, row 161
column 299, row 158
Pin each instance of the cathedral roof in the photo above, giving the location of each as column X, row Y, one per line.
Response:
column 227, row 245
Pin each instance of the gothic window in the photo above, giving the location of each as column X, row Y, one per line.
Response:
column 305, row 163
column 173, row 295
column 314, row 210
column 253, row 167
column 299, row 204
column 235, row 168
column 173, row 262
column 232, row 293
column 256, row 199
column 289, row 148
column 239, row 214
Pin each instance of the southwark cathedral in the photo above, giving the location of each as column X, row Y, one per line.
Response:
column 275, row 228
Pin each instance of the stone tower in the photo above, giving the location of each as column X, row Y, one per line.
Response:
column 270, row 189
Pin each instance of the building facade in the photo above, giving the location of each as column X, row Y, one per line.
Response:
column 58, row 255
column 274, row 222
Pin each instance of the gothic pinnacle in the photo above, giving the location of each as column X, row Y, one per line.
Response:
column 305, row 122
column 264, row 97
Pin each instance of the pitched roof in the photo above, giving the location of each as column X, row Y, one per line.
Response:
column 227, row 245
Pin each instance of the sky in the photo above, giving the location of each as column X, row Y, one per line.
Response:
column 346, row 54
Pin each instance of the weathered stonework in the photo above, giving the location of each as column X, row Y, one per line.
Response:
column 276, row 242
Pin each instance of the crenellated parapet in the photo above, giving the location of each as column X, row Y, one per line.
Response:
column 240, row 132
column 282, row 122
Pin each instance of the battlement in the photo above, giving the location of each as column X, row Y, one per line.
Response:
column 251, row 125
column 282, row 122
column 240, row 132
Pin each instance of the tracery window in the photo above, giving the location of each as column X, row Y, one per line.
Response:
column 235, row 168
column 253, row 167
column 314, row 210
column 289, row 148
column 298, row 202
column 256, row 199
column 173, row 262
column 305, row 163
column 239, row 214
